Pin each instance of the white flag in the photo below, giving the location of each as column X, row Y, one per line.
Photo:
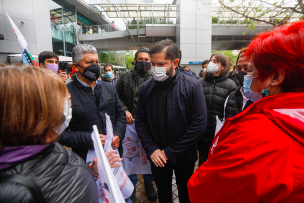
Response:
column 123, row 181
column 108, row 189
column 27, row 58
column 136, row 160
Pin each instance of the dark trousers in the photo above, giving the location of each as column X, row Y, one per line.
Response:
column 203, row 155
column 163, row 181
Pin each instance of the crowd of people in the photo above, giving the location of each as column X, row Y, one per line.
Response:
column 245, row 127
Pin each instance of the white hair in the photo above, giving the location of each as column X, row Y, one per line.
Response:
column 80, row 49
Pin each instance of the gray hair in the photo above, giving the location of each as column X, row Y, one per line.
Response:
column 80, row 49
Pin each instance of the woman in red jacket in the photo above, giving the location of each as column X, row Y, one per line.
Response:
column 258, row 154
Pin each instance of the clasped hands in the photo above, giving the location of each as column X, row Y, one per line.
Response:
column 159, row 158
column 115, row 142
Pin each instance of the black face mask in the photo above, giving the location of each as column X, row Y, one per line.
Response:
column 142, row 67
column 241, row 75
column 91, row 72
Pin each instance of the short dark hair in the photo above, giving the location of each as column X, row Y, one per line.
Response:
column 179, row 55
column 165, row 45
column 108, row 65
column 205, row 62
column 46, row 55
column 141, row 50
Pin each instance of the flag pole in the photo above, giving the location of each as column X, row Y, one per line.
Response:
column 106, row 166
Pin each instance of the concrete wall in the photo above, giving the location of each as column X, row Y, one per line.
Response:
column 36, row 28
column 193, row 33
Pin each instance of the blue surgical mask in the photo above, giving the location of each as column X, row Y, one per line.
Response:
column 109, row 74
column 252, row 96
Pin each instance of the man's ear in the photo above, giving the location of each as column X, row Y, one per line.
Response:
column 41, row 64
column 278, row 77
column 175, row 62
column 134, row 60
column 76, row 67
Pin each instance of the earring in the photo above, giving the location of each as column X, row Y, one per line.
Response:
column 272, row 84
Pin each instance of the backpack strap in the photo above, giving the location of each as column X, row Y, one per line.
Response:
column 26, row 182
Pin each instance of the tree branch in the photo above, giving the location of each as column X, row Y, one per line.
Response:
column 244, row 15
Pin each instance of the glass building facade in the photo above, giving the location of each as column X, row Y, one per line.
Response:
column 63, row 25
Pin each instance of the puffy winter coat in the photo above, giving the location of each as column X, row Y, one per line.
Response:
column 216, row 90
column 234, row 76
column 257, row 156
column 61, row 175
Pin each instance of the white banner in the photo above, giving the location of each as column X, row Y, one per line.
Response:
column 108, row 189
column 123, row 181
column 136, row 161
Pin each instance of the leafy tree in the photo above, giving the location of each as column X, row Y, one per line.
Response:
column 129, row 59
column 252, row 12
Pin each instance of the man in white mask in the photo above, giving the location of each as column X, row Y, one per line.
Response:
column 171, row 117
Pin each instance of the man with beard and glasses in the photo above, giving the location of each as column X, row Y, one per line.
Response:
column 171, row 116
column 91, row 100
column 127, row 88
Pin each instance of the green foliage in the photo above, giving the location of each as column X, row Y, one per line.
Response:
column 227, row 53
column 129, row 59
column 215, row 20
column 116, row 58
column 143, row 22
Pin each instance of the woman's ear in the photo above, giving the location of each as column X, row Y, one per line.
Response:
column 278, row 77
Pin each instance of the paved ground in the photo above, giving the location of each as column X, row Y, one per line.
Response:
column 141, row 196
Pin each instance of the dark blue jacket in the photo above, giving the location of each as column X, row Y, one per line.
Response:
column 88, row 109
column 186, row 118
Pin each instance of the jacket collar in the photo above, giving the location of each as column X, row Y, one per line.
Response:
column 219, row 78
column 81, row 84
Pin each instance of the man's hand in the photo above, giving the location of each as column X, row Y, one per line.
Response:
column 158, row 159
column 129, row 117
column 102, row 139
column 63, row 75
column 113, row 160
column 164, row 155
column 115, row 142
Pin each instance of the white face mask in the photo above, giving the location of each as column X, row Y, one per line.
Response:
column 67, row 112
column 212, row 68
column 159, row 73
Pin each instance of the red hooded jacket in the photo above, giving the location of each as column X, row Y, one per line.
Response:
column 257, row 156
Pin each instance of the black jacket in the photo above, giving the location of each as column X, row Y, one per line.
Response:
column 186, row 119
column 126, row 88
column 234, row 76
column 60, row 174
column 88, row 109
column 235, row 103
column 216, row 90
